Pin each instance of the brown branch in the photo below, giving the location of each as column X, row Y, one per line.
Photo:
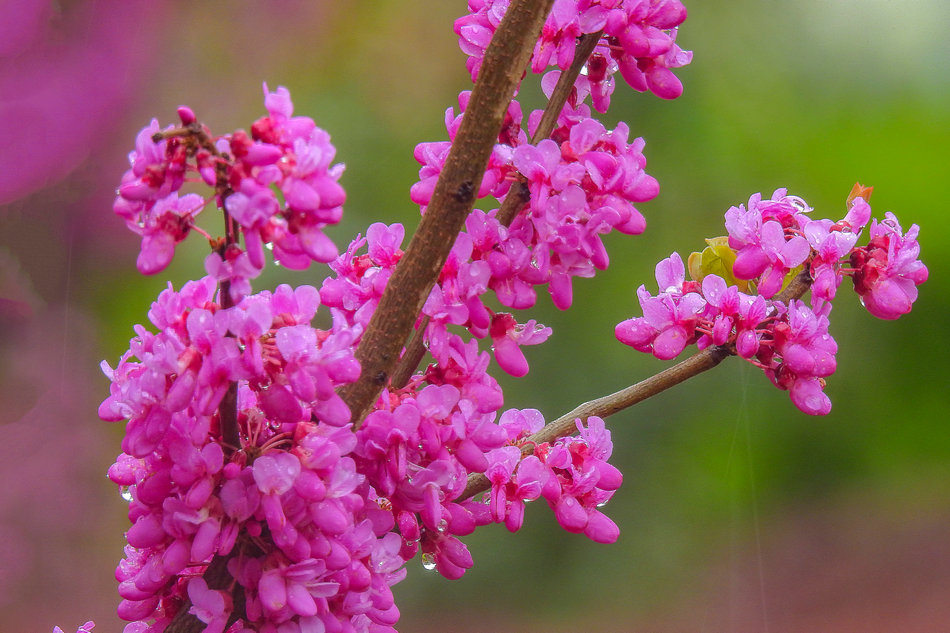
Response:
column 629, row 396
column 501, row 71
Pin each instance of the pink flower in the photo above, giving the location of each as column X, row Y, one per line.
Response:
column 581, row 480
column 669, row 319
column 763, row 236
column 639, row 41
column 508, row 336
column 235, row 268
column 210, row 606
column 514, row 481
column 734, row 316
column 887, row 270
column 799, row 355
column 830, row 242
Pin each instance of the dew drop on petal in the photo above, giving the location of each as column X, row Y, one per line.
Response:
column 126, row 493
column 798, row 203
column 428, row 562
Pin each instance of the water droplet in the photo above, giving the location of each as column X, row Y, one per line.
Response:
column 799, row 204
column 428, row 562
column 125, row 493
column 443, row 525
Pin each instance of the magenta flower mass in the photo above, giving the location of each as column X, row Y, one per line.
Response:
column 281, row 466
column 789, row 340
column 284, row 153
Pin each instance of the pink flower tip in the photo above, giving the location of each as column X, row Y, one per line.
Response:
column 663, row 83
column 187, row 115
column 809, row 398
column 601, row 528
column 510, row 357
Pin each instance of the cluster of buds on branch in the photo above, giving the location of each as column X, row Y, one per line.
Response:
column 730, row 300
column 280, row 475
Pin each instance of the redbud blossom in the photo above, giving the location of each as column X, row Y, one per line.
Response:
column 887, row 270
column 769, row 238
column 284, row 152
column 583, row 184
column 639, row 41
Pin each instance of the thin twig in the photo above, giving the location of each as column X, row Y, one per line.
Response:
column 409, row 362
column 227, row 409
column 518, row 195
column 216, row 574
column 629, row 396
column 565, row 85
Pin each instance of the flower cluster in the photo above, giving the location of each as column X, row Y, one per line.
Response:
column 455, row 300
column 424, row 439
column 638, row 39
column 312, row 520
column 767, row 241
column 572, row 475
column 582, row 183
column 887, row 271
column 328, row 556
column 241, row 459
column 278, row 186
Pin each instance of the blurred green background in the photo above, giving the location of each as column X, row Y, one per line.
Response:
column 738, row 513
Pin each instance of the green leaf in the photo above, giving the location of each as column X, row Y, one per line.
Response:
column 717, row 259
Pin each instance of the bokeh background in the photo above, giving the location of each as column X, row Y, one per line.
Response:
column 738, row 513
